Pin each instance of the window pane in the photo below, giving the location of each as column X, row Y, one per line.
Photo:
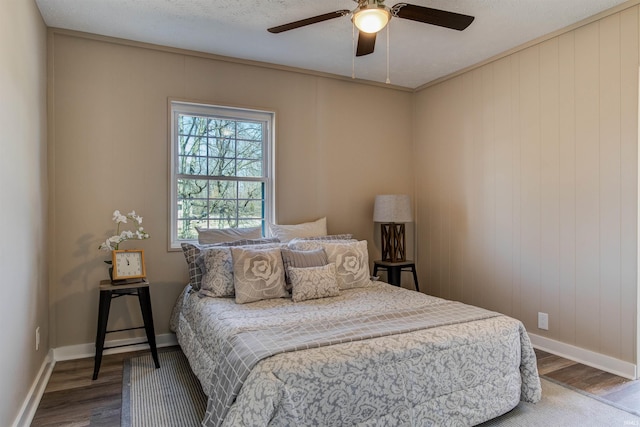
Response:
column 222, row 147
column 219, row 166
column 250, row 190
column 193, row 145
column 249, row 168
column 249, row 150
column 223, row 209
column 250, row 209
column 223, row 189
column 192, row 188
column 192, row 125
column 250, row 130
column 192, row 209
column 219, row 128
column 188, row 165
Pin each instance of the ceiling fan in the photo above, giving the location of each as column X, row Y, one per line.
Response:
column 372, row 16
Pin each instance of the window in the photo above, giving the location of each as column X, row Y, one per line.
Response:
column 221, row 172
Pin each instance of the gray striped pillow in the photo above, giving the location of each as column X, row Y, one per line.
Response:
column 302, row 259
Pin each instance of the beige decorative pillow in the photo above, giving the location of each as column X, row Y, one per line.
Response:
column 313, row 282
column 257, row 274
column 307, row 229
column 351, row 259
column 301, row 259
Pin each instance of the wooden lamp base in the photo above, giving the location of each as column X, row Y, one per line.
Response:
column 393, row 247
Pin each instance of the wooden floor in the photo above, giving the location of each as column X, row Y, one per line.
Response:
column 73, row 399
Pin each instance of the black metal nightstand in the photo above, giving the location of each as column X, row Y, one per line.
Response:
column 394, row 269
column 109, row 291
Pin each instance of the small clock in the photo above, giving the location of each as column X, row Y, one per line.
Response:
column 128, row 264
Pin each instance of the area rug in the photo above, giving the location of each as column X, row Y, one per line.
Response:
column 562, row 406
column 171, row 396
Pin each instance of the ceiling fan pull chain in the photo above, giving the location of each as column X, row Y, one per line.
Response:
column 388, row 32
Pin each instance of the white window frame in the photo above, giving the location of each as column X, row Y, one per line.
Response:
column 177, row 107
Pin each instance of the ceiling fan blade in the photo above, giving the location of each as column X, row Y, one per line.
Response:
column 308, row 21
column 366, row 43
column 442, row 18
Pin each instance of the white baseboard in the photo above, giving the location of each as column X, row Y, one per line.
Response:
column 586, row 357
column 81, row 351
column 31, row 402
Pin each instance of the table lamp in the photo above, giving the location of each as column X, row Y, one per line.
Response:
column 392, row 211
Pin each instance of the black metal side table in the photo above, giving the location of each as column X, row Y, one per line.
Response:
column 109, row 291
column 394, row 269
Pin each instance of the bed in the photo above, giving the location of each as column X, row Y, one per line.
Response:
column 374, row 355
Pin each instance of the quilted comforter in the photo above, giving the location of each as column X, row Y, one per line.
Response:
column 378, row 355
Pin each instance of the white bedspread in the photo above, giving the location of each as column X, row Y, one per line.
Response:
column 462, row 373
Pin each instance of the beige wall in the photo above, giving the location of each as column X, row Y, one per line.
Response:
column 527, row 185
column 23, row 253
column 338, row 144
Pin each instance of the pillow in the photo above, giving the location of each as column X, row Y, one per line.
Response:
column 313, row 282
column 211, row 235
column 191, row 251
column 257, row 274
column 328, row 237
column 312, row 245
column 216, row 265
column 351, row 259
column 307, row 229
column 301, row 259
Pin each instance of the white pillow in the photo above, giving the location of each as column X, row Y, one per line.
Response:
column 212, row 235
column 257, row 274
column 313, row 282
column 307, row 229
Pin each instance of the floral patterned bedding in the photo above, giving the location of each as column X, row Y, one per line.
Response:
column 459, row 373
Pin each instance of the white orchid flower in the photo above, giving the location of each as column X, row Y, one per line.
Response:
column 114, row 241
column 118, row 217
column 105, row 246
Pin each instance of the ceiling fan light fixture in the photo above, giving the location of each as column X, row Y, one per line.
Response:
column 371, row 18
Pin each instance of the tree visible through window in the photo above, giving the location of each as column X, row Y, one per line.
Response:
column 221, row 169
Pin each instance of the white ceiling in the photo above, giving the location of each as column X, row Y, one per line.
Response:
column 419, row 53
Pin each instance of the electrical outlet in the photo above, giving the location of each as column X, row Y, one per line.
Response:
column 543, row 321
column 37, row 338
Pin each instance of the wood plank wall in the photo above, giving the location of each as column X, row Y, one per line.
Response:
column 526, row 185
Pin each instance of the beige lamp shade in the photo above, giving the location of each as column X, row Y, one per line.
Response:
column 393, row 208
column 392, row 211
